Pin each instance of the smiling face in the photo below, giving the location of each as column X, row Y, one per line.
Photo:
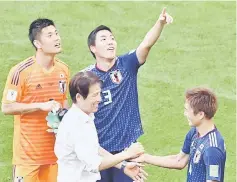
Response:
column 91, row 102
column 193, row 119
column 48, row 40
column 200, row 105
column 85, row 91
column 105, row 45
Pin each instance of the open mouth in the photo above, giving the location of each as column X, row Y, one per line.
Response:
column 58, row 45
column 110, row 49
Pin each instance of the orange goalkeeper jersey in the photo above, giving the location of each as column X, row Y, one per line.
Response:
column 28, row 82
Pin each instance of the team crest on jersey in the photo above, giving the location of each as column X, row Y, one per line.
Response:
column 197, row 157
column 116, row 76
column 201, row 146
column 62, row 86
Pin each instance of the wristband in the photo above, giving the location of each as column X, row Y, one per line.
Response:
column 124, row 163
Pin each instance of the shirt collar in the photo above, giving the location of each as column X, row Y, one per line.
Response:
column 85, row 117
column 198, row 135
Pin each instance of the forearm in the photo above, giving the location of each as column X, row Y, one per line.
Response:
column 110, row 160
column 170, row 161
column 19, row 108
column 153, row 35
column 149, row 40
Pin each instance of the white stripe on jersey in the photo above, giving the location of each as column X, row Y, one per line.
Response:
column 210, row 140
column 214, row 142
column 215, row 138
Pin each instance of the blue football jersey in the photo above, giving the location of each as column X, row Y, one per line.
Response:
column 118, row 120
column 207, row 156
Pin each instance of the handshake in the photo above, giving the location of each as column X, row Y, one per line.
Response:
column 132, row 168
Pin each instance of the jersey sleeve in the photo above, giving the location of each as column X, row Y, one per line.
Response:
column 13, row 87
column 130, row 61
column 214, row 161
column 188, row 141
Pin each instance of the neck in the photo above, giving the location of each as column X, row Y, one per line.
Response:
column 44, row 60
column 205, row 127
column 105, row 64
column 83, row 109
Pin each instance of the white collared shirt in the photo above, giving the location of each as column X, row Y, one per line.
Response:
column 77, row 148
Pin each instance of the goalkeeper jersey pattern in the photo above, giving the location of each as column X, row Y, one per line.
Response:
column 28, row 82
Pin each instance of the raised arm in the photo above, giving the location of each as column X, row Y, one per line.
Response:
column 152, row 36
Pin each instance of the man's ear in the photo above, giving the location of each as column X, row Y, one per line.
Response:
column 78, row 97
column 37, row 44
column 201, row 115
column 93, row 49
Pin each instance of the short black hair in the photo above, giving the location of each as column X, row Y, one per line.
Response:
column 92, row 36
column 36, row 27
column 81, row 82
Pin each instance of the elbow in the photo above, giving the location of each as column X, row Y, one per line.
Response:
column 177, row 168
column 3, row 109
column 181, row 166
column 146, row 46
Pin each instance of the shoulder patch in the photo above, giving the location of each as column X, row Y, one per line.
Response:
column 214, row 171
column 11, row 95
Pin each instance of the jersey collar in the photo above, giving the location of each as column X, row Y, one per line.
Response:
column 115, row 63
column 206, row 133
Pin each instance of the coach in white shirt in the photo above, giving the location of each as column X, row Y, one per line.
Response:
column 80, row 157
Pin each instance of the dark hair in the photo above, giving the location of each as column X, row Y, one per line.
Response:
column 202, row 99
column 36, row 27
column 92, row 36
column 81, row 82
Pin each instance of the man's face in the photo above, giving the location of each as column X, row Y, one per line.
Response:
column 193, row 120
column 49, row 40
column 91, row 103
column 105, row 45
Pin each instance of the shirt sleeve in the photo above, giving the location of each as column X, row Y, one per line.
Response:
column 214, row 161
column 130, row 61
column 13, row 87
column 86, row 153
column 188, row 141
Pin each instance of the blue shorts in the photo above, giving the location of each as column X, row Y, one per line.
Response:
column 114, row 175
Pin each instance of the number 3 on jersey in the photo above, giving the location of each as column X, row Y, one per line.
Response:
column 107, row 97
